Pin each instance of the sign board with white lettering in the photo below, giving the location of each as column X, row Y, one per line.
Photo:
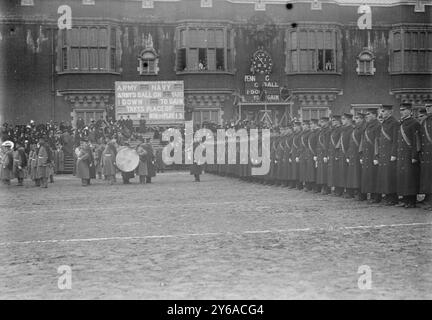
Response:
column 261, row 88
column 157, row 102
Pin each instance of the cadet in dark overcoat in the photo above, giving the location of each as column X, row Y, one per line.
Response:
column 304, row 152
column 322, row 155
column 353, row 157
column 342, row 169
column 368, row 156
column 408, row 166
column 295, row 154
column 333, row 153
column 426, row 157
column 387, row 149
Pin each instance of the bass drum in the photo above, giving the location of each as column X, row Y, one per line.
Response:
column 127, row 159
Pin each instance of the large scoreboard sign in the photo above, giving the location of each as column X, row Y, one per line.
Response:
column 158, row 102
column 260, row 88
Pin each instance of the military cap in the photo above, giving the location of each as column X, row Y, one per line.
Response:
column 405, row 105
column 306, row 122
column 348, row 115
column 372, row 110
column 361, row 115
column 325, row 118
column 8, row 144
column 422, row 110
column 314, row 121
column 387, row 107
column 297, row 123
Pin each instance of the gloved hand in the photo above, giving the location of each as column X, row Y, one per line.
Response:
column 375, row 162
column 392, row 158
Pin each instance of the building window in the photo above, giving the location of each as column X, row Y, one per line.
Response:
column 310, row 50
column 206, row 3
column 411, row 51
column 27, row 2
column 89, row 49
column 148, row 63
column 365, row 63
column 206, row 116
column 313, row 113
column 204, row 49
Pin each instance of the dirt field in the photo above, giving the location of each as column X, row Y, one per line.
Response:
column 221, row 238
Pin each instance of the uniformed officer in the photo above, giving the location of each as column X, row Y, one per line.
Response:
column 353, row 158
column 333, row 154
column 426, row 157
column 408, row 167
column 368, row 156
column 304, row 153
column 311, row 156
column 322, row 155
column 295, row 155
column 387, row 149
column 347, row 129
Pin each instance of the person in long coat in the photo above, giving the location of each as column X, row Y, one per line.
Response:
column 387, row 149
column 322, row 155
column 333, row 153
column 150, row 162
column 304, row 153
column 196, row 168
column 287, row 156
column 408, row 166
column 43, row 160
column 353, row 183
column 108, row 161
column 311, row 156
column 20, row 163
column 33, row 164
column 368, row 156
column 83, row 164
column 426, row 158
column 347, row 129
column 295, row 155
column 142, row 170
column 7, row 162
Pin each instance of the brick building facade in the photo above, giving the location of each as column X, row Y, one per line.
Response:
column 317, row 59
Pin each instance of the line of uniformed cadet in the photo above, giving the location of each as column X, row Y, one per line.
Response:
column 359, row 157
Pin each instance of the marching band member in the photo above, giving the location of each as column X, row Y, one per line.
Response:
column 142, row 170
column 20, row 163
column 108, row 161
column 7, row 162
column 84, row 159
column 43, row 159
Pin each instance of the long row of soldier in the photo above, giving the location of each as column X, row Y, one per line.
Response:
column 391, row 158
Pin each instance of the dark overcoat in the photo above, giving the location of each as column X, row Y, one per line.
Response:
column 408, row 173
column 426, row 156
column 368, row 155
column 387, row 147
column 353, row 155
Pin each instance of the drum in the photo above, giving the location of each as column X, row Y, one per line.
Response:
column 127, row 159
